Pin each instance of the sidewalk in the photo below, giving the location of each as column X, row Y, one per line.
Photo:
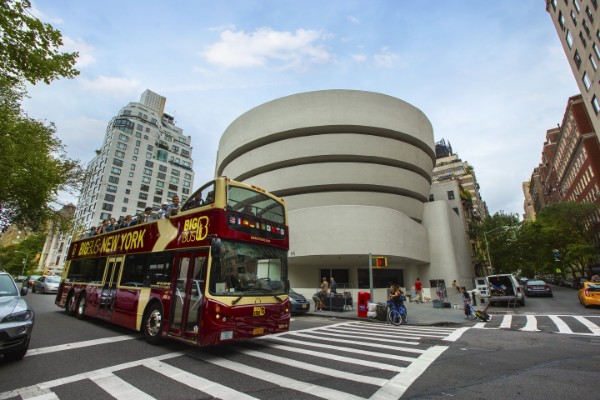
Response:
column 418, row 314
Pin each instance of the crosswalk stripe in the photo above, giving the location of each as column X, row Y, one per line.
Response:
column 78, row 345
column 371, row 337
column 407, row 328
column 347, row 360
column 120, row 389
column 283, row 381
column 506, row 321
column 395, row 333
column 196, row 382
column 531, row 325
column 366, row 344
column 344, row 349
column 595, row 329
column 560, row 324
column 45, row 396
column 315, row 368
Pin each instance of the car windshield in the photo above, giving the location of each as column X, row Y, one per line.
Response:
column 247, row 268
column 7, row 286
column 536, row 282
column 53, row 279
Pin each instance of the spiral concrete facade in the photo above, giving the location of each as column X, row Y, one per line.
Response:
column 354, row 168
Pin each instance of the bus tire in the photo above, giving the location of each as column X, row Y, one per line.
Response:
column 81, row 304
column 152, row 324
column 70, row 304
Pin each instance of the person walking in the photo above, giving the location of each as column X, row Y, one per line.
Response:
column 324, row 292
column 419, row 290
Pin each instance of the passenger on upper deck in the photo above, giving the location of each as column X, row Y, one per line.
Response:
column 147, row 216
column 173, row 209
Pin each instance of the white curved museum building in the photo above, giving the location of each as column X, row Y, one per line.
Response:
column 354, row 168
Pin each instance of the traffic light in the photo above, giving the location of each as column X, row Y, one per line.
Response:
column 380, row 261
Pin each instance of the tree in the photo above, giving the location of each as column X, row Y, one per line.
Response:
column 21, row 257
column 32, row 159
column 30, row 49
column 499, row 233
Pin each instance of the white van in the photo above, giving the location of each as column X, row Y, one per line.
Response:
column 481, row 285
column 503, row 288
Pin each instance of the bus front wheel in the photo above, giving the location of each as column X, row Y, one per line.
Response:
column 152, row 324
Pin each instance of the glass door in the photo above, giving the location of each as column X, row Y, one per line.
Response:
column 109, row 289
column 188, row 289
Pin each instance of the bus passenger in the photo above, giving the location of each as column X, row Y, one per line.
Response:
column 173, row 208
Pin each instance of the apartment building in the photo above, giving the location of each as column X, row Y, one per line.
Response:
column 144, row 160
column 577, row 23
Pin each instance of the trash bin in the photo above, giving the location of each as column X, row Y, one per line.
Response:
column 382, row 311
column 363, row 306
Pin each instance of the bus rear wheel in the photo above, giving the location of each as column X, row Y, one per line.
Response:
column 152, row 324
column 70, row 304
column 81, row 304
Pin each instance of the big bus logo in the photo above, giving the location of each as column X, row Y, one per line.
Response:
column 259, row 311
column 194, row 229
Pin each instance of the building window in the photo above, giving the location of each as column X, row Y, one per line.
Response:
column 596, row 50
column 186, row 183
column 109, row 197
column 117, row 162
column 131, row 174
column 158, row 191
column 188, row 176
column 596, row 104
column 173, row 179
column 107, row 207
column 577, row 59
column 173, row 187
column 123, row 137
column 126, row 200
column 162, row 155
column 147, row 171
column 561, row 20
column 104, row 216
column 141, row 204
column 576, row 4
column 113, row 179
column 160, row 175
column 121, row 146
column 450, row 194
column 162, row 168
column 160, row 184
column 143, row 196
column 149, row 164
column 127, row 191
column 145, row 179
column 554, row 4
column 111, row 188
column 456, row 210
column 593, row 62
column 119, row 154
column 431, row 197
column 175, row 172
column 115, row 170
column 569, row 39
column 573, row 18
column 586, row 81
column 129, row 183
column 123, row 209
column 145, row 188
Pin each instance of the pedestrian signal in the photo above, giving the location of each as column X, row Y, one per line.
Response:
column 380, row 261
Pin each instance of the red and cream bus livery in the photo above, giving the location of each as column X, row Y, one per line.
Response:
column 214, row 273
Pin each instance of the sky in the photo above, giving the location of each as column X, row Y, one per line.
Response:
column 491, row 76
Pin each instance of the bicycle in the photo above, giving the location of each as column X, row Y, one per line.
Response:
column 397, row 315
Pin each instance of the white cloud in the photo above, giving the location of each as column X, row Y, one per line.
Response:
column 238, row 49
column 85, row 51
column 353, row 20
column 117, row 87
column 385, row 58
column 359, row 57
column 43, row 17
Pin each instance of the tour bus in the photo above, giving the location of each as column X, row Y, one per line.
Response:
column 214, row 273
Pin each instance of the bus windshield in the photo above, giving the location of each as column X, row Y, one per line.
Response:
column 245, row 268
column 254, row 203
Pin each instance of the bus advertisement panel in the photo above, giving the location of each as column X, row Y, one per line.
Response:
column 214, row 273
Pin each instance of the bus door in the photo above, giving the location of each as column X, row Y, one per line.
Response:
column 188, row 290
column 109, row 288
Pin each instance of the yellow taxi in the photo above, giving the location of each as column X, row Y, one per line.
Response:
column 589, row 294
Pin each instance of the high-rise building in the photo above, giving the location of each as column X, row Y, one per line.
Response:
column 56, row 246
column 578, row 25
column 144, row 160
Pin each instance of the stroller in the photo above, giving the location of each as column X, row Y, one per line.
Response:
column 473, row 315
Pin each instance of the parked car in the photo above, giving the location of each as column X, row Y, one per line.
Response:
column 46, row 284
column 578, row 282
column 537, row 288
column 16, row 319
column 589, row 294
column 504, row 288
column 567, row 282
column 298, row 303
column 30, row 280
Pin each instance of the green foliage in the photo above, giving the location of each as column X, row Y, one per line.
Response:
column 32, row 160
column 12, row 256
column 500, row 230
column 30, row 49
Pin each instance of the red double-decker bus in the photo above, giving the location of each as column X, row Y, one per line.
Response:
column 214, row 273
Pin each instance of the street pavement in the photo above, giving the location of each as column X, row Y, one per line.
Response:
column 418, row 313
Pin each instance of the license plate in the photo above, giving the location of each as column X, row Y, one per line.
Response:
column 304, row 305
column 226, row 335
column 258, row 331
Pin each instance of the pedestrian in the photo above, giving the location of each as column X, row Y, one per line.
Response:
column 419, row 290
column 455, row 285
column 332, row 286
column 317, row 299
column 324, row 292
column 466, row 298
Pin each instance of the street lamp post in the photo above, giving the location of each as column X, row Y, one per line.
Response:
column 24, row 261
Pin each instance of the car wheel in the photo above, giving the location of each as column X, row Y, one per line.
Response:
column 81, row 304
column 152, row 324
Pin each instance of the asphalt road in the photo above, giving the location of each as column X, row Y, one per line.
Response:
column 319, row 358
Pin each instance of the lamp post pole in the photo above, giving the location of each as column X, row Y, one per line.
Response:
column 24, row 261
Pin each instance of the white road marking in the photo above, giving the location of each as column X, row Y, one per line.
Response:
column 595, row 329
column 45, row 396
column 120, row 389
column 78, row 345
column 336, row 373
column 320, row 335
column 560, row 324
column 531, row 325
column 396, row 386
column 453, row 337
column 391, row 333
column 197, row 382
column 366, row 344
column 506, row 322
column 41, row 388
